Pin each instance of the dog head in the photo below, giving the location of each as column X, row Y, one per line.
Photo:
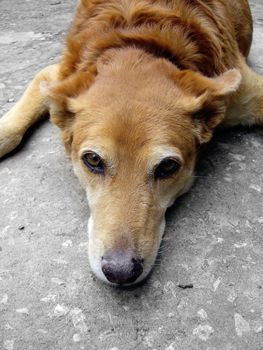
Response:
column 133, row 137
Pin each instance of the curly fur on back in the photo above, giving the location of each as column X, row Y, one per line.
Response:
column 192, row 34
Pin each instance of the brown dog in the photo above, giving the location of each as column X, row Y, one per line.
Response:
column 141, row 85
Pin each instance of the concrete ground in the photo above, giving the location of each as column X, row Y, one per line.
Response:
column 214, row 239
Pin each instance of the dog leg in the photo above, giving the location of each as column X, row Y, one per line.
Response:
column 27, row 111
column 246, row 107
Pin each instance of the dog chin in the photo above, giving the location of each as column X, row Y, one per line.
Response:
column 95, row 260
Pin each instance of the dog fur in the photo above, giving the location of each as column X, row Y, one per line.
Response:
column 139, row 81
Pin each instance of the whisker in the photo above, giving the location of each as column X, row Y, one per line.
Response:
column 203, row 176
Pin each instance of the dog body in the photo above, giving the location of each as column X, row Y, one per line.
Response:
column 140, row 86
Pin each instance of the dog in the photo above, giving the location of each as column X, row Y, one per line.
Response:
column 140, row 87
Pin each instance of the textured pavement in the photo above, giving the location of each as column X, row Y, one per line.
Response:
column 214, row 239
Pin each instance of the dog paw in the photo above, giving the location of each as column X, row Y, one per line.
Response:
column 9, row 138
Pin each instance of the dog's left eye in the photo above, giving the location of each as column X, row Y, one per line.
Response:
column 94, row 162
column 167, row 168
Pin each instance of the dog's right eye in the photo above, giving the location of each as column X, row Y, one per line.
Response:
column 93, row 162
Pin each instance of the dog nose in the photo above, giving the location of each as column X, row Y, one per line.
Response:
column 121, row 267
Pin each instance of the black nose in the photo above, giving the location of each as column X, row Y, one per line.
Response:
column 121, row 267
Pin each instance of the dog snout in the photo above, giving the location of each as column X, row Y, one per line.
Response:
column 121, row 267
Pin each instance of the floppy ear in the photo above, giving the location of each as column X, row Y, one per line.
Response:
column 210, row 98
column 59, row 98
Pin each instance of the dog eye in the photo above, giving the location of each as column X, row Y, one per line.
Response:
column 166, row 168
column 94, row 162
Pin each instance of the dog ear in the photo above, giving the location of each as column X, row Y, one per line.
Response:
column 210, row 98
column 60, row 97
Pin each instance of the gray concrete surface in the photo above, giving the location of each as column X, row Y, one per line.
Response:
column 214, row 238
